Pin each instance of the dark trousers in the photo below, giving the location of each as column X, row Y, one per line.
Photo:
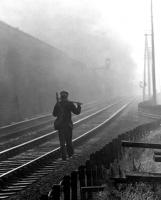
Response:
column 65, row 138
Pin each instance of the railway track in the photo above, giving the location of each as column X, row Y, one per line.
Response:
column 13, row 135
column 36, row 121
column 34, row 159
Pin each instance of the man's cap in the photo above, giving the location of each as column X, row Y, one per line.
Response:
column 64, row 93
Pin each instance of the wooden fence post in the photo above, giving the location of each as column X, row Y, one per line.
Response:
column 66, row 187
column 119, row 147
column 81, row 171
column 74, row 184
column 54, row 193
column 92, row 157
column 115, row 148
column 99, row 172
column 94, row 174
column 111, row 154
column 89, row 172
column 107, row 156
column 89, row 176
column 97, row 157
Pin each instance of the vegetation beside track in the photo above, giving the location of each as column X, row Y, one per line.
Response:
column 138, row 160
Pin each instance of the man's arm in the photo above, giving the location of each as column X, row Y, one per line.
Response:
column 55, row 110
column 76, row 110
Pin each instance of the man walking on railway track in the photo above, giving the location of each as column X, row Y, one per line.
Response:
column 63, row 110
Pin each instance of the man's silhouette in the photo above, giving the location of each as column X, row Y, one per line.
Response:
column 63, row 110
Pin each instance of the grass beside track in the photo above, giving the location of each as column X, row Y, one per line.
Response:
column 138, row 191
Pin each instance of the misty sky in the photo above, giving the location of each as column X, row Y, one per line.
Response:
column 60, row 22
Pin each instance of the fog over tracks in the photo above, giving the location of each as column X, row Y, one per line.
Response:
column 43, row 56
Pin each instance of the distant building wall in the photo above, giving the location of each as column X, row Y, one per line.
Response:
column 32, row 71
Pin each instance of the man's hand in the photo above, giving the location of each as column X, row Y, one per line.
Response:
column 79, row 104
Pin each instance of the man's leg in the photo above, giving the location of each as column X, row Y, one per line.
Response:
column 62, row 144
column 68, row 137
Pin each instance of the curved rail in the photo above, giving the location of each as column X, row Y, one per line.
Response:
column 13, row 127
column 35, row 124
column 24, row 168
column 39, row 140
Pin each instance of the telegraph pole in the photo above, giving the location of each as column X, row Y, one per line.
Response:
column 149, row 74
column 153, row 57
column 145, row 61
column 147, row 65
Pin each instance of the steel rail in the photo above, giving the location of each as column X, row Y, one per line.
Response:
column 37, row 162
column 33, row 124
column 29, row 144
column 32, row 127
column 13, row 126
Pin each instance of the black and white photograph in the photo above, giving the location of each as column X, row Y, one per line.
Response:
column 80, row 100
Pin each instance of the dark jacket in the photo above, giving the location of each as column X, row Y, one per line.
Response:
column 64, row 109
